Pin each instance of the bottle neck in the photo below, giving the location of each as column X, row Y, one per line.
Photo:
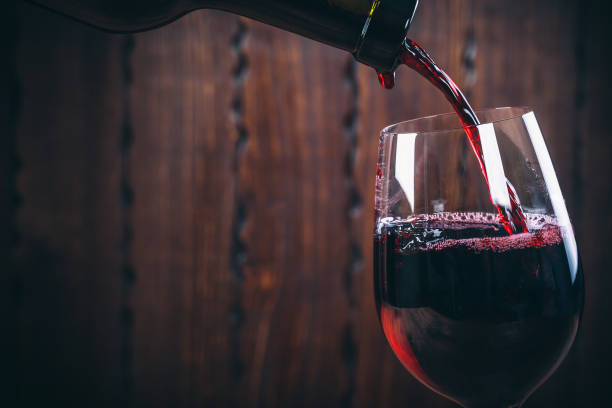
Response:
column 384, row 32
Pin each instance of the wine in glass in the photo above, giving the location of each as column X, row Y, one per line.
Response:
column 478, row 314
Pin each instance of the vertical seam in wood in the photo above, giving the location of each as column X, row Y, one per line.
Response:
column 238, row 249
column 580, row 97
column 469, row 60
column 126, row 197
column 354, row 209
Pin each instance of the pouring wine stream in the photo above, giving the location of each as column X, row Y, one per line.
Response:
column 511, row 215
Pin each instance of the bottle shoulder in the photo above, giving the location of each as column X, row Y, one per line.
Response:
column 120, row 15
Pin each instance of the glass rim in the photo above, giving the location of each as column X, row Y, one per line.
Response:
column 513, row 112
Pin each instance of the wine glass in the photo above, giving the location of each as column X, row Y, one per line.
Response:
column 477, row 314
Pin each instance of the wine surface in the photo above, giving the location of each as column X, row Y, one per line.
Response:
column 414, row 57
column 477, row 315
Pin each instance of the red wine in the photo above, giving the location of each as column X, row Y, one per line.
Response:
column 413, row 56
column 477, row 315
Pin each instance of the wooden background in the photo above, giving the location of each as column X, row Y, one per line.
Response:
column 186, row 213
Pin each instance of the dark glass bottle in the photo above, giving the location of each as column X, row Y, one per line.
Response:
column 372, row 30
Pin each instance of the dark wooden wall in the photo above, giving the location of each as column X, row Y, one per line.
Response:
column 186, row 213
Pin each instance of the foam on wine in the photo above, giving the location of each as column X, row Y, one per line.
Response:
column 435, row 227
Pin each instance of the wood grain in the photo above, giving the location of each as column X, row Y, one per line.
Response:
column 292, row 182
column 182, row 178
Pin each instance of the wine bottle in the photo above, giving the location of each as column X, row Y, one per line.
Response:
column 372, row 30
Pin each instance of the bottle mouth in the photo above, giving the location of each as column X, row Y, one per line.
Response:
column 383, row 33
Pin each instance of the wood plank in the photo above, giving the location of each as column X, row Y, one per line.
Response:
column 293, row 183
column 596, row 222
column 182, row 177
column 69, row 222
